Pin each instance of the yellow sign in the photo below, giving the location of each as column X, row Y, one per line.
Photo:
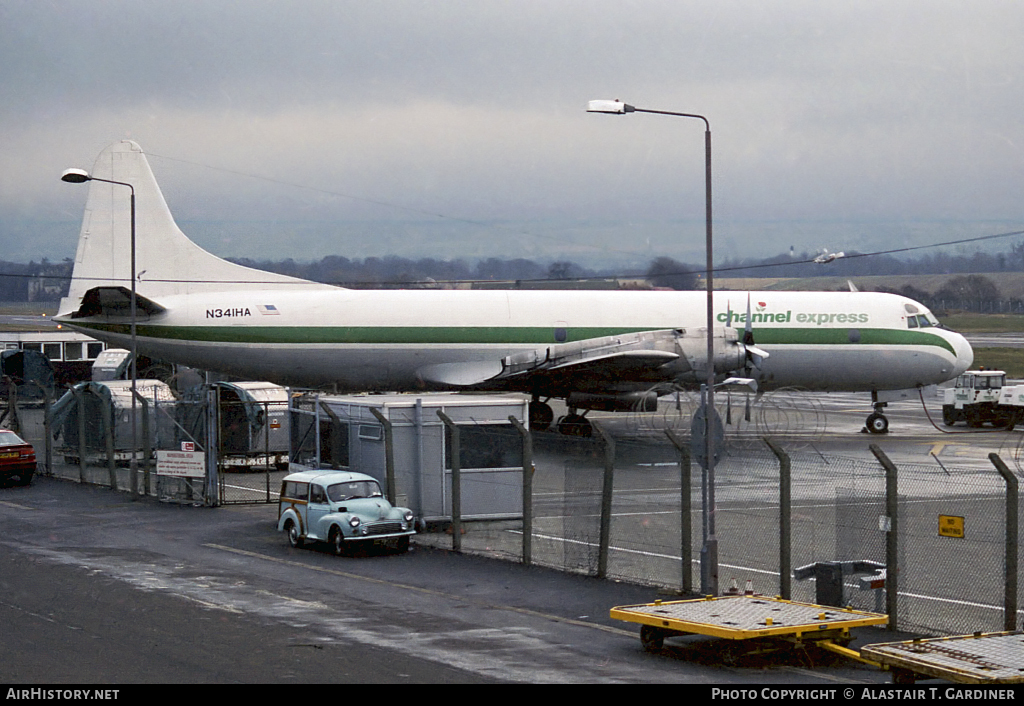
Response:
column 951, row 526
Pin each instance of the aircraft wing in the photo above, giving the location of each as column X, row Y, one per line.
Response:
column 637, row 357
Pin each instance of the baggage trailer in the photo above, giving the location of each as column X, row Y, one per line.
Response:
column 981, row 658
column 746, row 618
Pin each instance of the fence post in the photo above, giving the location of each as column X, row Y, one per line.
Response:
column 79, row 394
column 14, row 421
column 527, row 489
column 891, row 537
column 685, row 512
column 456, row 481
column 47, row 405
column 109, row 419
column 266, row 449
column 1010, row 584
column 211, row 491
column 147, row 450
column 606, row 502
column 389, row 455
column 785, row 520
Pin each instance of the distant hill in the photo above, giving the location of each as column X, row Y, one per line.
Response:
column 1010, row 284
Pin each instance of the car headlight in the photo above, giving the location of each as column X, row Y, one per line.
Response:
column 353, row 521
column 407, row 516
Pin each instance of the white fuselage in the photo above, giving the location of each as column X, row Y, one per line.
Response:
column 382, row 339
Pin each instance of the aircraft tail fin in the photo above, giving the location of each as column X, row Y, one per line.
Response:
column 167, row 262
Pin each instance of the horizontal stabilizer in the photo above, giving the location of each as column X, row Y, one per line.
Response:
column 115, row 302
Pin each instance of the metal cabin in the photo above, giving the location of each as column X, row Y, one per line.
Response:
column 351, row 432
column 110, row 403
column 111, row 364
column 253, row 424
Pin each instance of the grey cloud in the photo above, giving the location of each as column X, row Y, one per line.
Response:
column 474, row 111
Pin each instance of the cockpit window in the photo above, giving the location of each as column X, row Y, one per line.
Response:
column 921, row 321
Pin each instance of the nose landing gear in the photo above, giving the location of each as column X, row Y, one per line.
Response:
column 877, row 423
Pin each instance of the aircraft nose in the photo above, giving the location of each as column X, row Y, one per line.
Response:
column 964, row 353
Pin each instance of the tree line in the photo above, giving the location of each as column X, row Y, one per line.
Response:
column 48, row 281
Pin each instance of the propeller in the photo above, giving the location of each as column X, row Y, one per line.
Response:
column 755, row 355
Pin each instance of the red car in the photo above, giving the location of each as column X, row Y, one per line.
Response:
column 17, row 459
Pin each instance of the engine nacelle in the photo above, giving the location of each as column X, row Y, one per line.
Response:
column 692, row 346
column 659, row 356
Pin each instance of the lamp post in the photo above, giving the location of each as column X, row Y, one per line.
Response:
column 709, row 553
column 79, row 176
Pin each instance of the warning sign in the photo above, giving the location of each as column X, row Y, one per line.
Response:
column 951, row 526
column 181, row 464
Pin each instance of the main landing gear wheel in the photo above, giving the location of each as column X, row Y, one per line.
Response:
column 877, row 423
column 575, row 425
column 541, row 416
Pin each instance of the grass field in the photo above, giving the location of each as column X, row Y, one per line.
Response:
column 984, row 323
column 1009, row 360
column 28, row 308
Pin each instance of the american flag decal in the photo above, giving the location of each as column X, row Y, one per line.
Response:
column 268, row 309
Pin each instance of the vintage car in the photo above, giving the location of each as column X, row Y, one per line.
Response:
column 342, row 508
column 17, row 459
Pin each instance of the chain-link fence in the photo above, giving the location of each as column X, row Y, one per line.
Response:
column 620, row 504
column 951, row 544
column 87, row 435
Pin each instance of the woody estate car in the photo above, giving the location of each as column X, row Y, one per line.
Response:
column 17, row 459
column 342, row 508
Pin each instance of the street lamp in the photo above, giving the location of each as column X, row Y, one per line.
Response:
column 79, row 176
column 709, row 554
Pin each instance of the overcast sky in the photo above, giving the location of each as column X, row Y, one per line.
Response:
column 303, row 129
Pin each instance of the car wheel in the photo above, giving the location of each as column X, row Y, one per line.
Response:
column 337, row 540
column 294, row 537
column 402, row 545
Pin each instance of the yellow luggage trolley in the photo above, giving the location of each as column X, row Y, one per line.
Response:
column 981, row 658
column 748, row 617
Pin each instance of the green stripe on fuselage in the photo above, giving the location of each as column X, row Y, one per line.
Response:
column 842, row 336
column 496, row 335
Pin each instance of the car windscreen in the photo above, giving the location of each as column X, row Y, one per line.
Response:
column 340, row 492
column 9, row 438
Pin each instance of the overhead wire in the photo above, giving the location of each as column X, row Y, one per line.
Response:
column 589, row 278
